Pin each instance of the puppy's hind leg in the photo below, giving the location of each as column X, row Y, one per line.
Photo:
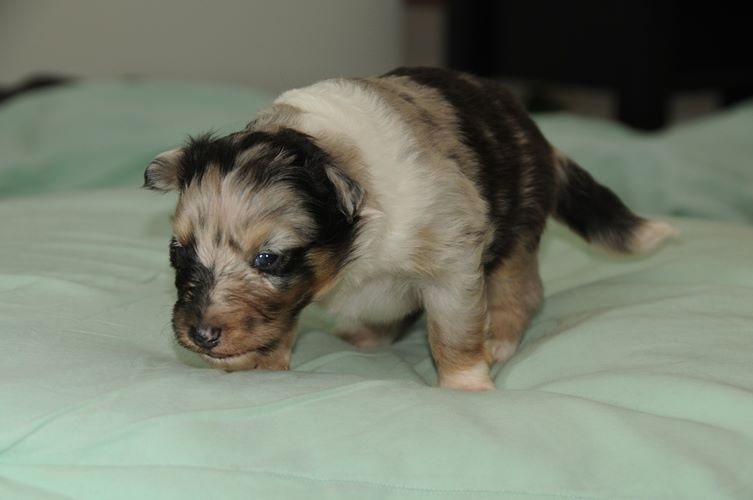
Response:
column 362, row 334
column 514, row 293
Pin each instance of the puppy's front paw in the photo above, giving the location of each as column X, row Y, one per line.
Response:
column 276, row 361
column 475, row 378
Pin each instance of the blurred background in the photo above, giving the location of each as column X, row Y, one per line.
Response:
column 647, row 64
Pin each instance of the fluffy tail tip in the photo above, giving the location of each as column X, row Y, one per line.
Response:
column 650, row 234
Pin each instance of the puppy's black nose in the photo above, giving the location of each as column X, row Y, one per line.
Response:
column 205, row 336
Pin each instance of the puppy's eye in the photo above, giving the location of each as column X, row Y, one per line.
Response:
column 285, row 263
column 176, row 249
column 267, row 262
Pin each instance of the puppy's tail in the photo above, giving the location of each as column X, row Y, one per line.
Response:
column 596, row 214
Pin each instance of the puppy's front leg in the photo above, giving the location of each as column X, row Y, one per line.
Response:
column 278, row 360
column 277, row 355
column 457, row 324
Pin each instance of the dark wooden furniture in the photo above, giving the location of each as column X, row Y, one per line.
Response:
column 642, row 50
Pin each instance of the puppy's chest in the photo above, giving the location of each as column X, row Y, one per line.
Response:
column 375, row 299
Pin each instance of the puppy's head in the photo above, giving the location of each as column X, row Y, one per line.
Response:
column 264, row 221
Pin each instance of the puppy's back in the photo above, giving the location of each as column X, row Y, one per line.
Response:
column 520, row 175
column 480, row 126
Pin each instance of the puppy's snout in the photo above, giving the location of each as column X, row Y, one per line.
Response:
column 206, row 337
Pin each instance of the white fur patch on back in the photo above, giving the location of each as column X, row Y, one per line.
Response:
column 410, row 191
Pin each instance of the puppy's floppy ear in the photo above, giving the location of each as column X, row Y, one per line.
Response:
column 164, row 171
column 349, row 192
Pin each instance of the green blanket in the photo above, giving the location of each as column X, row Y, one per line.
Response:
column 634, row 381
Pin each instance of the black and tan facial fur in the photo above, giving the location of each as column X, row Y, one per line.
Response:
column 420, row 190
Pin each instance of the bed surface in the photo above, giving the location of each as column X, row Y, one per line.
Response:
column 634, row 380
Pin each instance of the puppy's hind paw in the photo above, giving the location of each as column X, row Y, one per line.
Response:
column 499, row 350
column 366, row 336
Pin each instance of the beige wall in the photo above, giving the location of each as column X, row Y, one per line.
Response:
column 274, row 44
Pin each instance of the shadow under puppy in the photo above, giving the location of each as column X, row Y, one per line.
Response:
column 422, row 189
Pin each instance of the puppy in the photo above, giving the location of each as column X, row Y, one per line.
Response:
column 419, row 190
